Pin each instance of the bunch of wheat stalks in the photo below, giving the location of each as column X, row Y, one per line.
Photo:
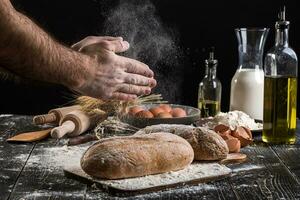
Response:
column 99, row 111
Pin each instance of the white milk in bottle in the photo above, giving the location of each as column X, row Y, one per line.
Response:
column 247, row 85
column 247, row 91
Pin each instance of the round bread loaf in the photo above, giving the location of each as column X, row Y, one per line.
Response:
column 207, row 144
column 140, row 155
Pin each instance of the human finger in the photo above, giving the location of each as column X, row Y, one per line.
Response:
column 136, row 67
column 123, row 96
column 110, row 38
column 136, row 79
column 93, row 39
column 134, row 89
column 116, row 46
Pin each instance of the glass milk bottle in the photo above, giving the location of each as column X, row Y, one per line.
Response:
column 247, row 84
column 280, row 95
column 210, row 89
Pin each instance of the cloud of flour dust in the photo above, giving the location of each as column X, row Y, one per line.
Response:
column 151, row 42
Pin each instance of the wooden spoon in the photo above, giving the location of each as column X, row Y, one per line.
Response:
column 30, row 136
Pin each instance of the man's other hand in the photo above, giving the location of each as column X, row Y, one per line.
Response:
column 116, row 77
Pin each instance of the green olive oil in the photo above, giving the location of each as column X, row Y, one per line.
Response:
column 280, row 87
column 209, row 108
column 280, row 108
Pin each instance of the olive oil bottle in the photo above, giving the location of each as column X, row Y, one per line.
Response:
column 210, row 89
column 208, row 108
column 280, row 89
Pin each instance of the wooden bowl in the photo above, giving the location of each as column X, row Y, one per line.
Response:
column 193, row 115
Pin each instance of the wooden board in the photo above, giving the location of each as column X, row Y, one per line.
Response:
column 194, row 174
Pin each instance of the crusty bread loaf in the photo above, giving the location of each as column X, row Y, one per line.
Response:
column 207, row 144
column 168, row 128
column 140, row 155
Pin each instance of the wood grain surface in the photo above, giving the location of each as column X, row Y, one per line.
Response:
column 270, row 172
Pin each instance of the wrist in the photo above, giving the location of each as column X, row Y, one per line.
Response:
column 83, row 73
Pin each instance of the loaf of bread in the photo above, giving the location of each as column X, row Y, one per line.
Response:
column 138, row 155
column 207, row 144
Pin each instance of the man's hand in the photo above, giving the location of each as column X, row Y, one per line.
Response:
column 116, row 77
column 27, row 50
column 92, row 44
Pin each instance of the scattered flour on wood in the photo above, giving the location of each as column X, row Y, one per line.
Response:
column 41, row 193
column 192, row 172
column 183, row 192
column 16, row 118
column 247, row 167
column 4, row 176
column 9, row 123
column 52, row 158
column 21, row 157
column 6, row 115
column 246, row 186
column 260, row 156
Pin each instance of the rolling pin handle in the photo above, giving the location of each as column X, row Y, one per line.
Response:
column 43, row 119
column 65, row 128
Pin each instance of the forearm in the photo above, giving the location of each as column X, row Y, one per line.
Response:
column 27, row 50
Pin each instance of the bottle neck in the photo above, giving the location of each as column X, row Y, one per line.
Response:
column 211, row 72
column 250, row 59
column 282, row 37
column 251, row 46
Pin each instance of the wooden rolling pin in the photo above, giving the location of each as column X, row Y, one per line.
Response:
column 55, row 115
column 75, row 123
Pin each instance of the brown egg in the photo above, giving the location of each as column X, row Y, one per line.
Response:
column 164, row 115
column 165, row 107
column 226, row 136
column 178, row 112
column 222, row 129
column 135, row 109
column 234, row 145
column 144, row 114
column 156, row 110
column 248, row 132
column 243, row 135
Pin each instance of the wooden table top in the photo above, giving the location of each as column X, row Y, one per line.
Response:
column 33, row 171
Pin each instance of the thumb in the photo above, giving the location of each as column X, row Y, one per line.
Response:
column 118, row 46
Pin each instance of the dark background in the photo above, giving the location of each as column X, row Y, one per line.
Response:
column 210, row 23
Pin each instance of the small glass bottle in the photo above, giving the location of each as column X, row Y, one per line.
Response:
column 280, row 90
column 210, row 89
